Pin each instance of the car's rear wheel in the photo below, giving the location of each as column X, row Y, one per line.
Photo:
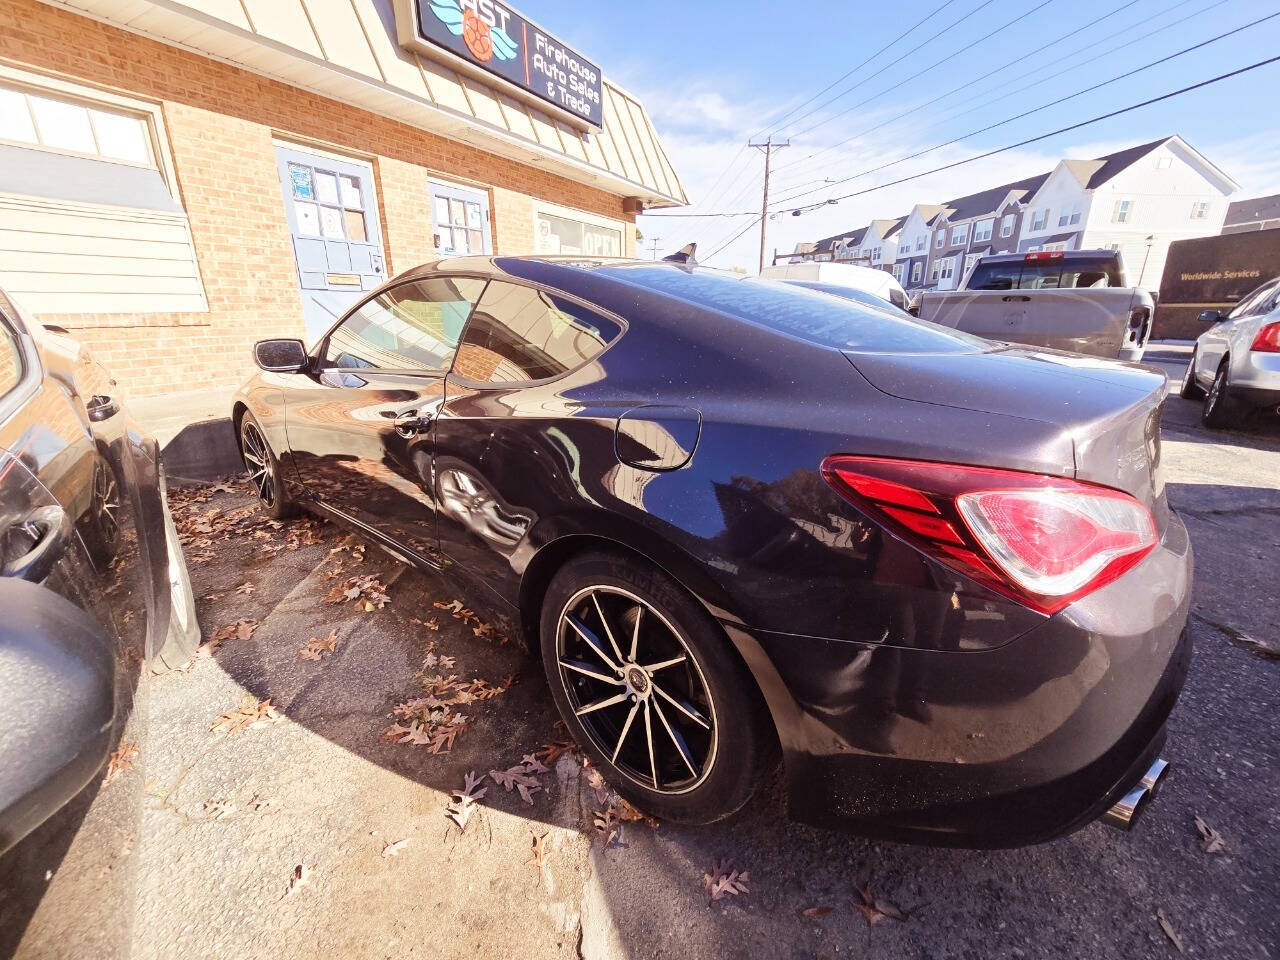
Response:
column 100, row 526
column 264, row 470
column 1218, row 407
column 649, row 686
column 1191, row 389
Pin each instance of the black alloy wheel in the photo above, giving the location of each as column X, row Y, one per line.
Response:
column 651, row 688
column 1217, row 403
column 636, row 689
column 263, row 469
column 101, row 524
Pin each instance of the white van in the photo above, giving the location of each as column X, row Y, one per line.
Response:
column 879, row 283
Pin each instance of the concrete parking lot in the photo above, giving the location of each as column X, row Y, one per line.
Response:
column 302, row 828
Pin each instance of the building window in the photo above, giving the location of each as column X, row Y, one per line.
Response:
column 64, row 125
column 1006, row 224
column 89, row 172
column 948, row 268
column 1071, row 216
column 941, row 240
column 897, row 272
column 562, row 235
column 920, row 242
column 982, row 230
column 1034, row 248
column 969, row 262
column 1115, row 246
column 917, row 271
column 1200, row 210
column 959, row 234
column 933, row 271
column 875, row 255
column 1122, row 212
column 1040, row 219
column 1164, row 163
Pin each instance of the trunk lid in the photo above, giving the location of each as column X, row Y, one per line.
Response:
column 1109, row 410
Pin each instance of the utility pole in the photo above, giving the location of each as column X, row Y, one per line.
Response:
column 654, row 251
column 768, row 147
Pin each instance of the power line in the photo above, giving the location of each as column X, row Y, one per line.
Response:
column 729, row 241
column 916, row 108
column 892, row 63
column 841, row 79
column 1046, row 136
column 932, row 66
column 1027, row 113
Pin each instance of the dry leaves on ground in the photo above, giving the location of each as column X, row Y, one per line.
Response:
column 317, row 647
column 608, row 826
column 549, row 753
column 252, row 713
column 627, row 813
column 814, row 913
column 369, row 591
column 874, row 909
column 245, row 589
column 465, row 800
column 725, row 879
column 539, row 850
column 300, row 878
column 122, row 758
column 218, row 809
column 1169, row 932
column 523, row 777
column 1211, row 840
column 392, row 849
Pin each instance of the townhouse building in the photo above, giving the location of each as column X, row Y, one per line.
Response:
column 1257, row 213
column 1137, row 200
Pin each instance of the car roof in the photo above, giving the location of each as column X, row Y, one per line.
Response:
column 1066, row 255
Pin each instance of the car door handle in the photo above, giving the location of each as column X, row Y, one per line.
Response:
column 51, row 530
column 102, row 407
column 1016, row 299
column 410, row 423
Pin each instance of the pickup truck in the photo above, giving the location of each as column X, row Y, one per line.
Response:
column 1076, row 300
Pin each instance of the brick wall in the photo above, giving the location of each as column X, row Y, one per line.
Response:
column 220, row 122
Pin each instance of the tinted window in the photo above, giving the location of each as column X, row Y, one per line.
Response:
column 414, row 326
column 812, row 316
column 1045, row 274
column 1251, row 303
column 519, row 334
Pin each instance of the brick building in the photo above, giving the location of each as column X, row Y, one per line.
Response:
column 180, row 178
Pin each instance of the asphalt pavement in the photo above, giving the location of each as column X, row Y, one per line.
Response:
column 283, row 839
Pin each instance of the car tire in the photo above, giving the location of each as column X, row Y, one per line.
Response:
column 1191, row 389
column 264, row 470
column 687, row 742
column 1218, row 407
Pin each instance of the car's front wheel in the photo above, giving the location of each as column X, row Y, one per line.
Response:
column 1217, row 411
column 650, row 687
column 264, row 469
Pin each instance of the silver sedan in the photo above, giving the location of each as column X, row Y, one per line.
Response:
column 1236, row 362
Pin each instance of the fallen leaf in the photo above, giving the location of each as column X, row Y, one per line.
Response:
column 245, row 589
column 464, row 800
column 539, row 850
column 122, row 758
column 532, row 764
column 316, row 647
column 874, row 909
column 260, row 803
column 627, row 812
column 251, row 713
column 446, row 663
column 300, row 878
column 1210, row 839
column 1169, row 932
column 725, row 879
column 814, row 913
column 391, row 849
column 218, row 809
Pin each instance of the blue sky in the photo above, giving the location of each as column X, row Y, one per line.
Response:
column 712, row 74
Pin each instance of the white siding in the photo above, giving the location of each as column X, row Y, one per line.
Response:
column 60, row 257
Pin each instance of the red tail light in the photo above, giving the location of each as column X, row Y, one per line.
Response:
column 1044, row 255
column 1044, row 541
column 1268, row 339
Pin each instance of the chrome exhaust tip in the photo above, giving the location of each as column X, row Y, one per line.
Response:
column 1126, row 811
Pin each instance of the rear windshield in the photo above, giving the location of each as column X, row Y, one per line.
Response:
column 1046, row 274
column 816, row 317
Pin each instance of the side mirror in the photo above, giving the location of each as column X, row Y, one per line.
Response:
column 280, row 356
column 57, row 704
column 1211, row 316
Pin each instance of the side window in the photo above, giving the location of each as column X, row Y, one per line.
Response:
column 519, row 334
column 1249, row 305
column 415, row 326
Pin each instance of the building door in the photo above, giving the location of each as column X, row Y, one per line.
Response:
column 337, row 240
